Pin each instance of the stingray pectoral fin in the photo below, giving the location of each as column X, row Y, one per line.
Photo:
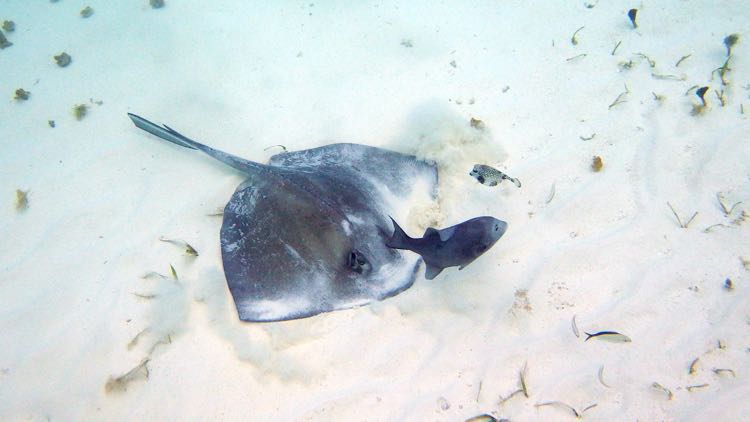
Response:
column 431, row 271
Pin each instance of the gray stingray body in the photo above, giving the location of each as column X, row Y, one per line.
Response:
column 457, row 245
column 306, row 233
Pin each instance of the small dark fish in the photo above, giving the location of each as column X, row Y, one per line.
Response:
column 612, row 336
column 490, row 176
column 632, row 13
column 457, row 245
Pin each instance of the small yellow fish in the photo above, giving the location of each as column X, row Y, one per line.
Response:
column 612, row 336
column 179, row 242
column 663, row 389
column 693, row 366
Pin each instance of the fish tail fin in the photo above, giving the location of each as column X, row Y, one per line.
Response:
column 399, row 239
column 588, row 336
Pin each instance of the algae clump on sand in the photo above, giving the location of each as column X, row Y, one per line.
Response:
column 597, row 164
column 4, row 43
column 80, row 111
column 63, row 59
column 22, row 199
column 730, row 41
column 21, row 94
column 86, row 12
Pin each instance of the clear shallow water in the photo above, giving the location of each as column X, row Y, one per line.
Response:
column 242, row 77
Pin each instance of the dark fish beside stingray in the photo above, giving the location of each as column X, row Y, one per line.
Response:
column 307, row 232
column 457, row 245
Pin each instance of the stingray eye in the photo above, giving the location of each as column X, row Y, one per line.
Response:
column 357, row 262
column 497, row 227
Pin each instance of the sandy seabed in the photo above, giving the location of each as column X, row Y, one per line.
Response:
column 85, row 337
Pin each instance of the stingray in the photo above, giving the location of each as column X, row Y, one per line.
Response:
column 306, row 233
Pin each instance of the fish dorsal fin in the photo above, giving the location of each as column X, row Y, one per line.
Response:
column 446, row 234
column 432, row 271
column 430, row 232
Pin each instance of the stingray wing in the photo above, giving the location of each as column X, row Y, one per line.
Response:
column 288, row 232
column 277, row 249
column 397, row 172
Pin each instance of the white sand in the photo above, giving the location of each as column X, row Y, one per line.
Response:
column 240, row 78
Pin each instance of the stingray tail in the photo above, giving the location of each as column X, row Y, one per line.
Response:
column 168, row 134
column 399, row 239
